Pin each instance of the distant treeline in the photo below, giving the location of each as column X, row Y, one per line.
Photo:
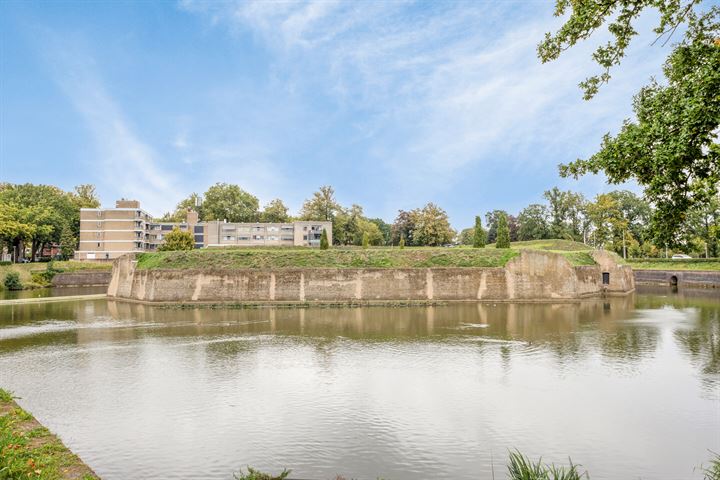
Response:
column 35, row 216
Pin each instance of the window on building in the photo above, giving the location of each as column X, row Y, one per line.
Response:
column 229, row 238
column 199, row 238
column 199, row 229
column 166, row 227
column 257, row 237
column 304, row 237
column 285, row 237
column 243, row 237
column 98, row 244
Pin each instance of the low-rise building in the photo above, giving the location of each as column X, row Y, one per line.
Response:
column 108, row 233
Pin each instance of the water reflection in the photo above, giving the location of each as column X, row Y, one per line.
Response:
column 413, row 392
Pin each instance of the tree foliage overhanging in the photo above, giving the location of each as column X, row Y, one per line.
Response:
column 671, row 147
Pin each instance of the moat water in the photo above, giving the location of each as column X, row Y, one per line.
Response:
column 627, row 387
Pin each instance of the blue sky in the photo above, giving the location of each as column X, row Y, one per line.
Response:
column 393, row 103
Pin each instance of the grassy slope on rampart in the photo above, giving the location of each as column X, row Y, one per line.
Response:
column 352, row 257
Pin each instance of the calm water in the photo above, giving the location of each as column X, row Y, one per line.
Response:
column 629, row 388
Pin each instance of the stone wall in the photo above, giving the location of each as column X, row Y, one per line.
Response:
column 82, row 279
column 531, row 276
column 681, row 278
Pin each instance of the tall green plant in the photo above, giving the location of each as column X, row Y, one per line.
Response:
column 324, row 244
column 479, row 236
column 503, row 232
column 402, row 242
column 12, row 281
column 521, row 467
column 365, row 240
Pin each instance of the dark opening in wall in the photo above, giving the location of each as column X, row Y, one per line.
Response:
column 606, row 278
column 673, row 281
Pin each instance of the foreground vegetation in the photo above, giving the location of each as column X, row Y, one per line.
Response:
column 38, row 275
column 333, row 258
column 29, row 451
column 519, row 467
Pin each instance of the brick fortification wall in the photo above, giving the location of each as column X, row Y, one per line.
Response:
column 531, row 276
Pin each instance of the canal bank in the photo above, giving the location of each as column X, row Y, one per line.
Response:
column 29, row 450
column 678, row 278
column 532, row 276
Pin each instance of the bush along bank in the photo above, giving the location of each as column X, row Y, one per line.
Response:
column 29, row 451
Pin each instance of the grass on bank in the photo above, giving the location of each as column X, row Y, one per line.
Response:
column 349, row 257
column 31, row 273
column 707, row 264
column 29, row 451
column 380, row 257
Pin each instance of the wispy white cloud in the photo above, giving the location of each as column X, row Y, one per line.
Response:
column 441, row 89
column 122, row 163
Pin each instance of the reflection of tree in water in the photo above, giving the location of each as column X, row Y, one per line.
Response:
column 630, row 342
column 702, row 342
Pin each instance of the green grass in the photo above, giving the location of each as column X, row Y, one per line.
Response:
column 228, row 258
column 521, row 467
column 577, row 253
column 29, row 451
column 26, row 270
column 711, row 264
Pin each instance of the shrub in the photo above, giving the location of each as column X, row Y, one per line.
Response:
column 324, row 245
column 12, row 281
column 402, row 242
column 5, row 263
column 178, row 240
column 365, row 240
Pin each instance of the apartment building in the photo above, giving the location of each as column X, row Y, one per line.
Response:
column 108, row 233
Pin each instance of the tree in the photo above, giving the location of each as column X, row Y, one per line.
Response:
column 365, row 240
column 192, row 202
column 479, row 235
column 671, row 149
column 322, row 205
column 635, row 211
column 275, row 212
column 466, row 236
column 15, row 227
column 369, row 229
column 403, row 227
column 491, row 219
column 533, row 223
column 503, row 232
column 68, row 243
column 385, row 230
column 324, row 244
column 178, row 240
column 46, row 207
column 607, row 221
column 566, row 212
column 432, row 226
column 84, row 196
column 224, row 201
